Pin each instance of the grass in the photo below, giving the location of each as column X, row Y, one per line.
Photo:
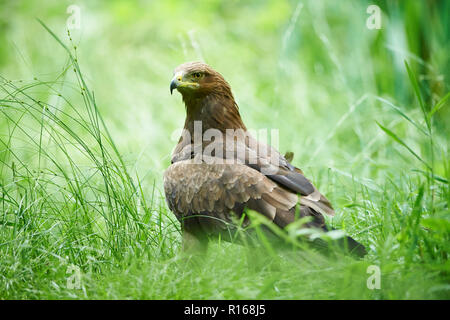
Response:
column 81, row 172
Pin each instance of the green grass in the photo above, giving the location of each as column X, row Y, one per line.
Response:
column 86, row 127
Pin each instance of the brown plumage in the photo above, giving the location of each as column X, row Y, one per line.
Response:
column 208, row 193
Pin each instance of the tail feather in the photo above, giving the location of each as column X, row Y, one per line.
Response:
column 352, row 246
column 346, row 243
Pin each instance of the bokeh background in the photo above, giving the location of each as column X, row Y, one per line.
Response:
column 311, row 69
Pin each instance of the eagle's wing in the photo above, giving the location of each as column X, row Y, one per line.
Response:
column 213, row 193
column 268, row 161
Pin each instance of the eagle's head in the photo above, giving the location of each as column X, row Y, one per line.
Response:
column 197, row 79
column 207, row 97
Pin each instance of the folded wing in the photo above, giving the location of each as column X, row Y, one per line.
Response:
column 214, row 194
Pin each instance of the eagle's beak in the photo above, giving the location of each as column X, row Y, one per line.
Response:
column 176, row 81
column 173, row 85
column 179, row 82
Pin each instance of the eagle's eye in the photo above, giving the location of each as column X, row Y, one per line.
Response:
column 196, row 75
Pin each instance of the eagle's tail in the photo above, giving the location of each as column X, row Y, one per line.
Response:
column 352, row 246
column 347, row 244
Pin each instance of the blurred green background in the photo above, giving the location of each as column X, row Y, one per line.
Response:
column 311, row 69
column 299, row 73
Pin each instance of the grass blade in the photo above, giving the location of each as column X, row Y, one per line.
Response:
column 415, row 85
column 402, row 114
column 400, row 141
column 438, row 106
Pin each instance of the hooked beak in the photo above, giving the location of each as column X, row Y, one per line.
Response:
column 173, row 85
column 177, row 82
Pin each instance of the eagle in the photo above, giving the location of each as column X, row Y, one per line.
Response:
column 219, row 171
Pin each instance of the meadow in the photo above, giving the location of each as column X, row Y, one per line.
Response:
column 87, row 127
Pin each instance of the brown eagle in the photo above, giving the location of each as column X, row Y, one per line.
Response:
column 218, row 169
